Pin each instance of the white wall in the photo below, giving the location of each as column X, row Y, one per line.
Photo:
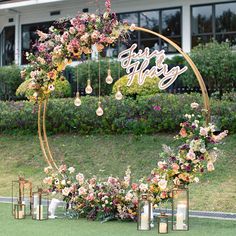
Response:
column 68, row 8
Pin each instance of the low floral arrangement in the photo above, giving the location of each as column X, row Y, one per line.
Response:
column 69, row 39
column 118, row 198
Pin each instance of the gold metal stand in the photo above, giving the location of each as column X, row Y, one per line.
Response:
column 42, row 117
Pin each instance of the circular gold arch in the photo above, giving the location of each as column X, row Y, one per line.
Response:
column 44, row 144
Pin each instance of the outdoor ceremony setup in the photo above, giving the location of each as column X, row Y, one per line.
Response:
column 147, row 200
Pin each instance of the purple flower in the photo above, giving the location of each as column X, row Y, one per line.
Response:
column 156, row 108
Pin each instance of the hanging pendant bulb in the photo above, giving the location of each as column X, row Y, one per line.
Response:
column 88, row 88
column 99, row 111
column 109, row 79
column 118, row 95
column 77, row 100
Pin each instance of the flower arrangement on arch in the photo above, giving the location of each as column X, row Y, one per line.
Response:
column 118, row 198
column 69, row 39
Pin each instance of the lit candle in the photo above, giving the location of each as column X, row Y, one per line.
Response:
column 144, row 222
column 163, row 228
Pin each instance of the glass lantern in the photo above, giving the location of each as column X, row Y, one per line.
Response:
column 162, row 223
column 19, row 211
column 22, row 194
column 40, row 205
column 144, row 213
column 180, row 208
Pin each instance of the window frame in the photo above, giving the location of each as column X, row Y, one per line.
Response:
column 213, row 33
column 159, row 40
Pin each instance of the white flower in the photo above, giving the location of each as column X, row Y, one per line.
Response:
column 65, row 191
column 162, row 184
column 194, row 105
column 190, row 155
column 80, row 178
column 82, row 191
column 63, row 182
column 161, row 164
column 71, row 170
column 196, row 179
column 132, row 27
column 143, row 187
column 203, row 150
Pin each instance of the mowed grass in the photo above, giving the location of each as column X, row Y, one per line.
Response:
column 82, row 227
column 110, row 155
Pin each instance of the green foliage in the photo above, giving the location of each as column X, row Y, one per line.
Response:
column 150, row 87
column 83, row 75
column 217, row 65
column 10, row 79
column 62, row 89
column 125, row 116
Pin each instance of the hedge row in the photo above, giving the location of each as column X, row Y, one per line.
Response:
column 125, row 116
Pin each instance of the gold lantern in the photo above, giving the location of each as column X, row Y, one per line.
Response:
column 40, row 205
column 19, row 211
column 162, row 223
column 22, row 194
column 144, row 213
column 180, row 208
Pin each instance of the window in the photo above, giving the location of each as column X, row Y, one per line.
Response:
column 164, row 21
column 216, row 21
column 29, row 37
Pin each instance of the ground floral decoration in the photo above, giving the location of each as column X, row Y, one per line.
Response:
column 118, row 198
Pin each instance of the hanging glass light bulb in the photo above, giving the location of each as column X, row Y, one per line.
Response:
column 77, row 100
column 99, row 111
column 118, row 95
column 109, row 79
column 88, row 88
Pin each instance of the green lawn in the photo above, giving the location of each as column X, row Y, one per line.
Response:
column 105, row 155
column 66, row 227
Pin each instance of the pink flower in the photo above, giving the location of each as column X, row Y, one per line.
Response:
column 134, row 186
column 82, row 191
column 74, row 21
column 47, row 169
column 62, row 169
column 162, row 184
column 95, row 34
column 161, row 164
column 210, row 166
column 90, row 197
column 190, row 155
column 47, row 180
column 143, row 187
column 41, row 47
column 84, row 37
column 42, row 35
column 66, row 191
column 92, row 181
column 175, row 166
column 203, row 131
column 72, row 30
column 156, row 108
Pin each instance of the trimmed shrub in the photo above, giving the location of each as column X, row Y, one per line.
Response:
column 150, row 87
column 83, row 75
column 217, row 65
column 10, row 79
column 145, row 115
column 62, row 89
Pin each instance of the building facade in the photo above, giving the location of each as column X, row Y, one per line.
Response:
column 186, row 22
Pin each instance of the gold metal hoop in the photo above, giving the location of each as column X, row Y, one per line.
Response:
column 42, row 117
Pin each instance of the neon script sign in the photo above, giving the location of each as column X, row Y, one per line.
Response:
column 137, row 63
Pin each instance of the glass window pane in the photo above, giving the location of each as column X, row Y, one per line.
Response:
column 171, row 22
column 169, row 48
column 201, row 39
column 131, row 18
column 202, row 19
column 149, row 20
column 231, row 38
column 153, row 44
column 226, row 17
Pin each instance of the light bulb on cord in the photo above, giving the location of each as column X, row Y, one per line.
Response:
column 118, row 95
column 88, row 88
column 77, row 100
column 109, row 79
column 99, row 111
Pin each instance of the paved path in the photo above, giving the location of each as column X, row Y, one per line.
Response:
column 199, row 214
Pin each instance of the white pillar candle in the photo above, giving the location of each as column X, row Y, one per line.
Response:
column 39, row 214
column 19, row 215
column 182, row 209
column 163, row 227
column 179, row 221
column 144, row 222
